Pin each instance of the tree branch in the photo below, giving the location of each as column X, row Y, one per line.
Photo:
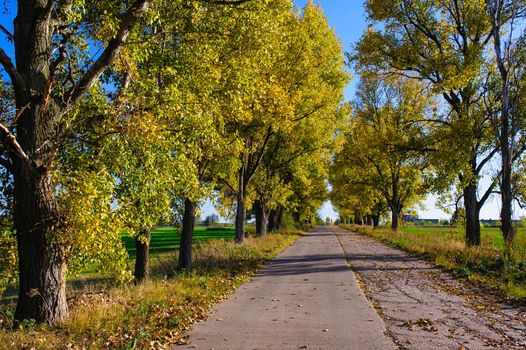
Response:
column 10, row 36
column 9, row 67
column 108, row 55
column 11, row 138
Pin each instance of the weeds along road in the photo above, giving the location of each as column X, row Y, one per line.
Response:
column 308, row 298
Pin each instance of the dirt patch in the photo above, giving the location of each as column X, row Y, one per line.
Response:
column 424, row 307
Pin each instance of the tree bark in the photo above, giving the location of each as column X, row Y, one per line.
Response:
column 262, row 216
column 187, row 232
column 395, row 217
column 472, row 210
column 241, row 210
column 41, row 256
column 142, row 256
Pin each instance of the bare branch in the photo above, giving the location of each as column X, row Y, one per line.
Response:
column 9, row 67
column 11, row 138
column 10, row 36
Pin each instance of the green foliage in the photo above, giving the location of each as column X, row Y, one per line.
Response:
column 381, row 163
column 8, row 259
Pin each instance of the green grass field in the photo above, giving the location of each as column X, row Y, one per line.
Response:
column 166, row 239
column 490, row 236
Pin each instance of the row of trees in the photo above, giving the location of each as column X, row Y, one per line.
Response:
column 441, row 100
column 117, row 115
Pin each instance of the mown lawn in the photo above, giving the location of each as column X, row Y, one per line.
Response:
column 488, row 264
column 166, row 239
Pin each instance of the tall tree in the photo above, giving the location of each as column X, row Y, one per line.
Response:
column 298, row 79
column 442, row 43
column 381, row 149
column 506, row 19
column 51, row 43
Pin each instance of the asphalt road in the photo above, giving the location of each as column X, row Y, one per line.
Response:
column 306, row 298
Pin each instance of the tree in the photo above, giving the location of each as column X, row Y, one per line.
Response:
column 299, row 80
column 505, row 20
column 381, row 148
column 49, row 80
column 442, row 43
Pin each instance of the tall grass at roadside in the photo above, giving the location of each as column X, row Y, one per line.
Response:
column 156, row 313
column 487, row 264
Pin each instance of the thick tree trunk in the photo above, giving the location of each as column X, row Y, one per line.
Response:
column 369, row 219
column 472, row 210
column 262, row 215
column 42, row 263
column 187, row 232
column 241, row 209
column 142, row 256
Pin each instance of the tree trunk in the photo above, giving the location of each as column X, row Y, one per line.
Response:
column 506, row 155
column 358, row 220
column 395, row 217
column 41, row 258
column 369, row 220
column 504, row 66
column 508, row 231
column 376, row 220
column 142, row 255
column 262, row 216
column 241, row 209
column 187, row 232
column 279, row 219
column 472, row 215
column 272, row 220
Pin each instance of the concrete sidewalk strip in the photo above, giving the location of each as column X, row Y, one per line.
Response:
column 306, row 298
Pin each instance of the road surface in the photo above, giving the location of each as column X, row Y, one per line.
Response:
column 306, row 298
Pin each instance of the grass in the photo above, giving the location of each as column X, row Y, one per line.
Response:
column 156, row 313
column 487, row 264
column 166, row 239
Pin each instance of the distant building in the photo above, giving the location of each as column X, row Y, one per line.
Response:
column 409, row 218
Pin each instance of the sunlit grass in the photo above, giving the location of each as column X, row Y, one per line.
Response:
column 166, row 239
